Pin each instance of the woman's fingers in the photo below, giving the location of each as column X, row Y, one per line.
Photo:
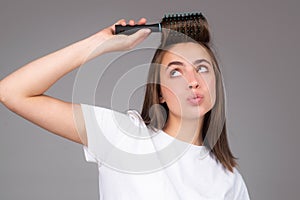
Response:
column 121, row 22
column 142, row 21
column 111, row 29
column 132, row 22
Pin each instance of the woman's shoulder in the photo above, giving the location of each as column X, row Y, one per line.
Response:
column 235, row 181
column 101, row 112
column 232, row 176
column 239, row 190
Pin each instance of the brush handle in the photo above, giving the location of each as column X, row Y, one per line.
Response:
column 128, row 29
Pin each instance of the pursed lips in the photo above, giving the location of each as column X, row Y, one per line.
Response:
column 195, row 99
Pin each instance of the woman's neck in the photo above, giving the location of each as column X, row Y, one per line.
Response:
column 187, row 130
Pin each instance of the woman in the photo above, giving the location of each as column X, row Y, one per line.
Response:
column 176, row 149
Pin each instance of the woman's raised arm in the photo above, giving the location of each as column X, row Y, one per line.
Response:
column 23, row 90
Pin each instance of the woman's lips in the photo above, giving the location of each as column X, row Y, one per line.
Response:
column 195, row 100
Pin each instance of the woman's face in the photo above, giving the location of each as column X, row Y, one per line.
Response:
column 187, row 81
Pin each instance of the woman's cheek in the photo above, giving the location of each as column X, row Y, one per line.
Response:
column 212, row 91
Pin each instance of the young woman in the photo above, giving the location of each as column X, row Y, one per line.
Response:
column 176, row 149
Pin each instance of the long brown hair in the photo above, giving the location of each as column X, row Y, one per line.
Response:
column 155, row 114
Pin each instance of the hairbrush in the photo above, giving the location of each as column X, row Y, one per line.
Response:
column 187, row 23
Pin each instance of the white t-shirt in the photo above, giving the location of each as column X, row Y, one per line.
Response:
column 135, row 162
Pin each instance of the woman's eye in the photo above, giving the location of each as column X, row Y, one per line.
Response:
column 201, row 69
column 175, row 73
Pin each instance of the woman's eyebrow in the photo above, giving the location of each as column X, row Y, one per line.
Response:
column 196, row 62
column 175, row 63
column 200, row 61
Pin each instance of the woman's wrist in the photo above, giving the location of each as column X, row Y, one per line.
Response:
column 91, row 47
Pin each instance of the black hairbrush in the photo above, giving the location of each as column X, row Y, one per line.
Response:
column 184, row 23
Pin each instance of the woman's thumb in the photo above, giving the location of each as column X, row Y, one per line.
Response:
column 139, row 36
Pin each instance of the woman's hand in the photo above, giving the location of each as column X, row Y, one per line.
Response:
column 107, row 41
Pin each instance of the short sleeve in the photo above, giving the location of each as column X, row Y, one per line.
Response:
column 108, row 130
column 91, row 126
column 239, row 190
column 99, row 125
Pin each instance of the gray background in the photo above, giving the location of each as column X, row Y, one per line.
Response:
column 258, row 46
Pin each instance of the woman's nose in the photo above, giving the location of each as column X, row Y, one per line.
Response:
column 193, row 84
column 192, row 79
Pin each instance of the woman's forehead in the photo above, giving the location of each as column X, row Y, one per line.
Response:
column 188, row 52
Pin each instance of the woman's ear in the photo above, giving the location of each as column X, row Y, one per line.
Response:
column 161, row 99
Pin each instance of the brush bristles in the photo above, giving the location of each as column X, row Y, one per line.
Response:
column 183, row 26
